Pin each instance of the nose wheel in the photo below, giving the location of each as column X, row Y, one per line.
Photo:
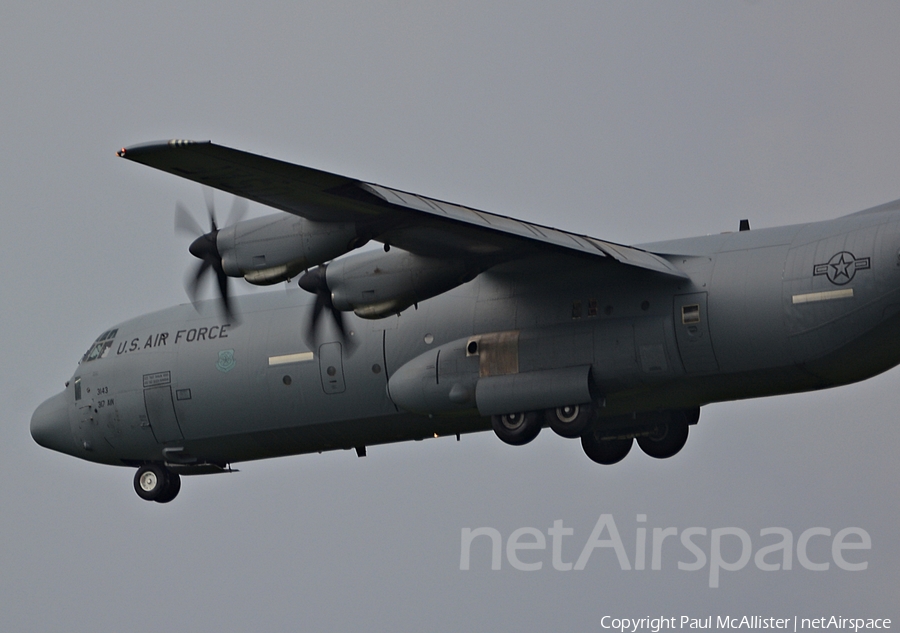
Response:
column 154, row 482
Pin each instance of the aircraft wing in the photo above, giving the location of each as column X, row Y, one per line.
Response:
column 414, row 223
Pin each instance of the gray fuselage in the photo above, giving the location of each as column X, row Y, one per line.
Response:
column 765, row 312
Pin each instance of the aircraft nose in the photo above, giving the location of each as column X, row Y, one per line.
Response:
column 50, row 424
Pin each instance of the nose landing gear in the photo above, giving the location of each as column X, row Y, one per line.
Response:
column 154, row 482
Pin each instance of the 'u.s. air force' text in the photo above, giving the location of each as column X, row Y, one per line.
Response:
column 162, row 339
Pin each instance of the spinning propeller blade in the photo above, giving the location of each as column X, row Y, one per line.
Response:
column 314, row 281
column 205, row 248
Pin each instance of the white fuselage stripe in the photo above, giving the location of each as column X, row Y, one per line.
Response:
column 290, row 358
column 846, row 293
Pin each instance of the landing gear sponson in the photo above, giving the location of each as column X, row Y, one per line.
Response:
column 604, row 440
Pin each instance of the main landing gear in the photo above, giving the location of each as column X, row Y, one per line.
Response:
column 517, row 428
column 154, row 482
column 668, row 436
column 660, row 434
column 520, row 428
column 602, row 450
column 570, row 421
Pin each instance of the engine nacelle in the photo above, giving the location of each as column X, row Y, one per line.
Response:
column 378, row 284
column 275, row 248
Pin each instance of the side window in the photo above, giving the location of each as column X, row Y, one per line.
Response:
column 78, row 387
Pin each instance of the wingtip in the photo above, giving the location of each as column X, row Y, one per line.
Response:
column 142, row 148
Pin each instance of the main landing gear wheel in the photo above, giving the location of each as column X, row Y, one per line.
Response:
column 665, row 438
column 517, row 428
column 153, row 482
column 604, row 451
column 570, row 421
column 172, row 489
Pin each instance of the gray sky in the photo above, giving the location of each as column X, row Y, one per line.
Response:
column 629, row 121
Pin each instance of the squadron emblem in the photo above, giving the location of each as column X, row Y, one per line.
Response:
column 226, row 361
column 841, row 268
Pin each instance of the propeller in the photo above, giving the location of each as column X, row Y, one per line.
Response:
column 314, row 281
column 205, row 248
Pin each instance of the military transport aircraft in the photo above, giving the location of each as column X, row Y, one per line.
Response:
column 464, row 321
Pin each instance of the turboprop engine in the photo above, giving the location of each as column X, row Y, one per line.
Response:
column 277, row 247
column 377, row 284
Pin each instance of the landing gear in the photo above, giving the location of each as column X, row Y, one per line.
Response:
column 607, row 440
column 608, row 451
column 570, row 421
column 153, row 482
column 172, row 489
column 517, row 428
column 666, row 437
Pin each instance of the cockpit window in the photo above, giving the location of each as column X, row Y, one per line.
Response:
column 101, row 346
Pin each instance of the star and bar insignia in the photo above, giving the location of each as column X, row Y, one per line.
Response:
column 841, row 268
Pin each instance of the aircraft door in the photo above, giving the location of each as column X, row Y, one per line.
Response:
column 692, row 334
column 331, row 368
column 161, row 414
